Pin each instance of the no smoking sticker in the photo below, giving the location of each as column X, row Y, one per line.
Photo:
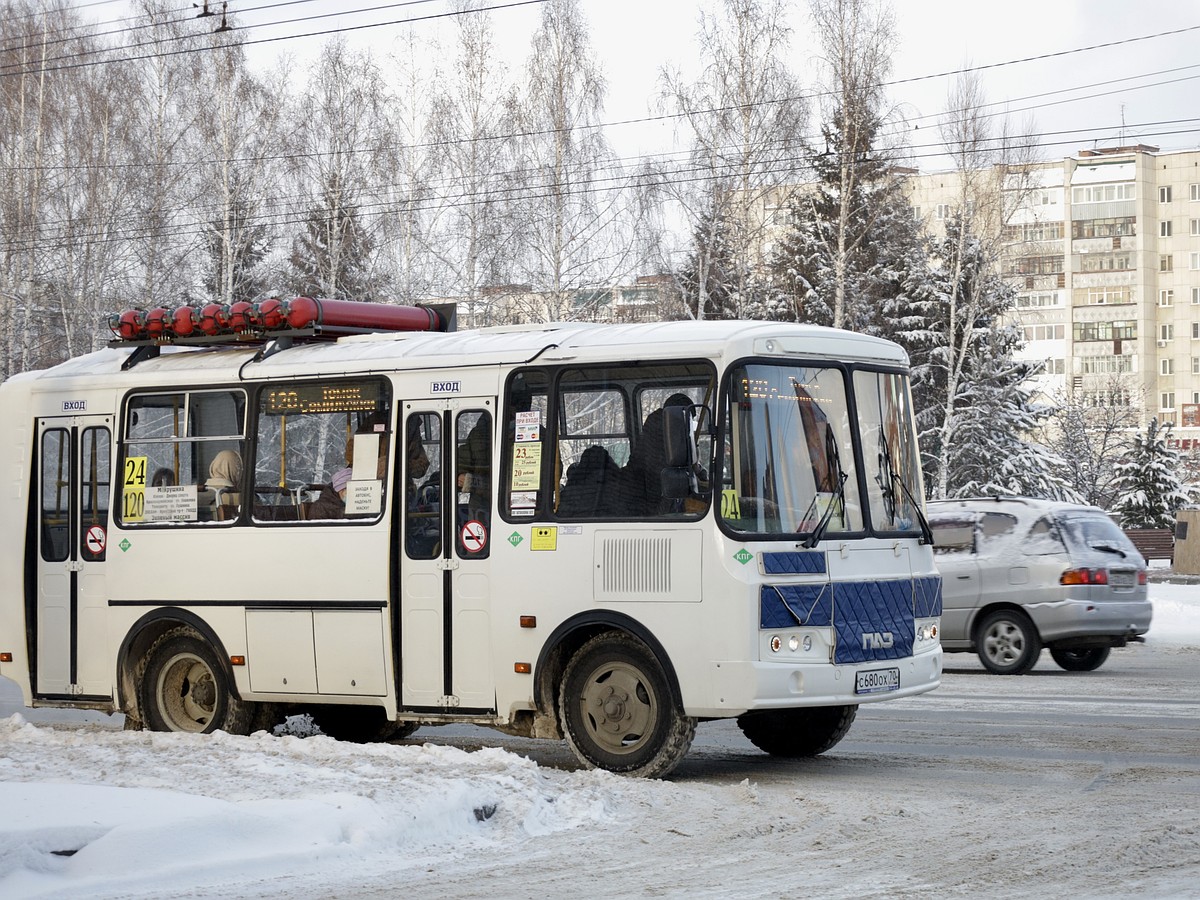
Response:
column 474, row 536
column 94, row 540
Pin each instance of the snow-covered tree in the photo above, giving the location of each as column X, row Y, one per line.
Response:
column 975, row 413
column 1148, row 488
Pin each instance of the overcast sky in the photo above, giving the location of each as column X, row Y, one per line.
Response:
column 1085, row 93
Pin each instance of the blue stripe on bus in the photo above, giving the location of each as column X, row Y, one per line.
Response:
column 809, row 562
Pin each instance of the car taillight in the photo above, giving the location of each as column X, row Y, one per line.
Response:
column 1084, row 576
column 1142, row 576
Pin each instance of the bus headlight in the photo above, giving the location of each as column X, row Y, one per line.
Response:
column 776, row 643
column 794, row 643
column 926, row 632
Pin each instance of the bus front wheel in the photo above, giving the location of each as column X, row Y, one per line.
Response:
column 793, row 733
column 617, row 712
column 184, row 688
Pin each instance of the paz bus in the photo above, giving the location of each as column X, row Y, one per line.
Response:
column 600, row 533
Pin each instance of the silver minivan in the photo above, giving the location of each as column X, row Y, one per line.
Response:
column 1020, row 574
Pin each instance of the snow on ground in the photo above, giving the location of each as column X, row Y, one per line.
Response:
column 90, row 810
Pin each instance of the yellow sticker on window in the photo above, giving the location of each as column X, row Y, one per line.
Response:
column 730, row 507
column 133, row 489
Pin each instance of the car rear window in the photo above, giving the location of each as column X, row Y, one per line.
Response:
column 1093, row 531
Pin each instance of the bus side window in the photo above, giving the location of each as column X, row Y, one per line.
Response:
column 526, row 416
column 180, row 451
column 473, row 479
column 423, row 486
column 322, row 451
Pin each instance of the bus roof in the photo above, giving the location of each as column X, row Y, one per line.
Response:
column 554, row 343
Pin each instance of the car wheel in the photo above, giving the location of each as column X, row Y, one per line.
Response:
column 1084, row 660
column 797, row 732
column 617, row 712
column 1007, row 642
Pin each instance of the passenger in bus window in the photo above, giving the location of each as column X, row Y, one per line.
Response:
column 332, row 502
column 220, row 496
column 641, row 479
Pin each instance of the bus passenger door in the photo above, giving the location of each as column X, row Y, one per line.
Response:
column 74, row 466
column 445, row 595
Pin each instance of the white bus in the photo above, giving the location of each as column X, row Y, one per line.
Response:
column 603, row 533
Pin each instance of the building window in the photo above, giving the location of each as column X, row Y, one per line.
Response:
column 1044, row 332
column 1195, row 191
column 1103, row 193
column 1055, row 367
column 1196, row 296
column 917, row 213
column 1103, row 296
column 1194, row 261
column 1164, row 194
column 1105, row 365
column 1123, row 226
column 1166, row 298
column 1166, row 332
column 943, row 211
column 1164, row 228
column 1166, row 263
column 1105, row 331
column 1194, row 225
column 1033, row 301
column 1166, row 366
column 1196, row 365
column 1195, row 331
column 1167, row 399
column 1100, row 262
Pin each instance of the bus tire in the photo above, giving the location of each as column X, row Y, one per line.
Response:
column 1087, row 659
column 1007, row 643
column 617, row 712
column 184, row 688
column 794, row 733
column 359, row 724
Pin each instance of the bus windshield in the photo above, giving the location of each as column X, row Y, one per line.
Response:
column 789, row 463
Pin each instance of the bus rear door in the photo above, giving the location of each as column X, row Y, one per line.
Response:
column 445, row 607
column 74, row 466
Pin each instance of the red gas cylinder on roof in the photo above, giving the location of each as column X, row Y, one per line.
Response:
column 130, row 324
column 183, row 321
column 213, row 319
column 158, row 322
column 241, row 316
column 269, row 314
column 305, row 312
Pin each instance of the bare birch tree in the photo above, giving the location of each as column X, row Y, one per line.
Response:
column 744, row 117
column 475, row 112
column 571, row 222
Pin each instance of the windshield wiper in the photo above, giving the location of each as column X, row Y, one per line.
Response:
column 838, row 499
column 894, row 477
column 1109, row 548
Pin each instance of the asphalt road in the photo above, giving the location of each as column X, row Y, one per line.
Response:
column 1141, row 708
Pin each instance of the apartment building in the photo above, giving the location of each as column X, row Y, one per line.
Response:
column 1104, row 249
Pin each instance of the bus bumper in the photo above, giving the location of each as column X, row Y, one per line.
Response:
column 741, row 686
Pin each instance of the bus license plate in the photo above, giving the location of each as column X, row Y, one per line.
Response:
column 877, row 681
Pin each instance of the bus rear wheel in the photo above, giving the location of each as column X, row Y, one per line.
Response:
column 617, row 712
column 184, row 688
column 794, row 733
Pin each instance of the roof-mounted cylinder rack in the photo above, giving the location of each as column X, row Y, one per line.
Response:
column 301, row 318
